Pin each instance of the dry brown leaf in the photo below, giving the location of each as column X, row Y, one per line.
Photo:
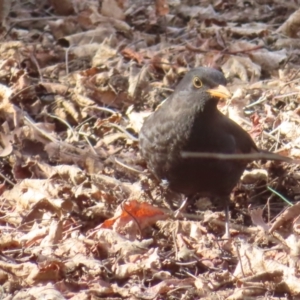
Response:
column 162, row 7
column 63, row 7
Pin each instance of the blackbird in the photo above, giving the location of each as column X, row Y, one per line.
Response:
column 189, row 120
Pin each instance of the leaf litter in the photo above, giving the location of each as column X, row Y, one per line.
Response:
column 81, row 218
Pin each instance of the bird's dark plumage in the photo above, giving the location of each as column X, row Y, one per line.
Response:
column 190, row 121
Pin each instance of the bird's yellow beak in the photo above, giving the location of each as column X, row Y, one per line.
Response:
column 220, row 92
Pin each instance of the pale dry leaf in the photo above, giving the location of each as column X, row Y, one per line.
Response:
column 201, row 285
column 252, row 292
column 81, row 296
column 136, row 119
column 103, row 288
column 26, row 272
column 254, row 176
column 289, row 214
column 110, row 8
column 291, row 26
column 162, row 288
column 72, row 174
column 54, row 235
column 92, row 266
column 55, row 88
column 85, row 51
column 291, row 282
column 103, row 55
column 5, row 6
column 6, row 144
column 268, row 60
column 114, row 242
column 242, row 46
column 8, row 241
column 241, row 67
column 290, row 129
column 183, row 252
column 296, row 226
column 27, row 193
column 42, row 132
column 5, row 94
column 235, row 108
column 35, row 233
column 196, row 231
column 83, row 100
column 293, row 242
column 101, row 21
column 71, row 247
column 45, row 292
column 257, row 219
column 64, row 27
column 249, row 30
column 290, row 43
column 149, row 261
column 137, row 79
column 198, row 11
column 70, row 109
column 88, row 37
column 254, row 262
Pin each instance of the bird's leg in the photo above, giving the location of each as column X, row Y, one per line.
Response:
column 227, row 218
column 181, row 207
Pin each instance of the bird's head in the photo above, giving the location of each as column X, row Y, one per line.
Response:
column 202, row 87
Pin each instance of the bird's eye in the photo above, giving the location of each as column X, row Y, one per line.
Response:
column 197, row 82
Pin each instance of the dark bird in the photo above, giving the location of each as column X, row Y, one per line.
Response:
column 189, row 121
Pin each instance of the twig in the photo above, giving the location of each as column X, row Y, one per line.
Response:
column 249, row 156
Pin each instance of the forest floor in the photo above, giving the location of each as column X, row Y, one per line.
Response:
column 81, row 217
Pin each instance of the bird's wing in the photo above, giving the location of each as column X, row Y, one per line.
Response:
column 243, row 141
